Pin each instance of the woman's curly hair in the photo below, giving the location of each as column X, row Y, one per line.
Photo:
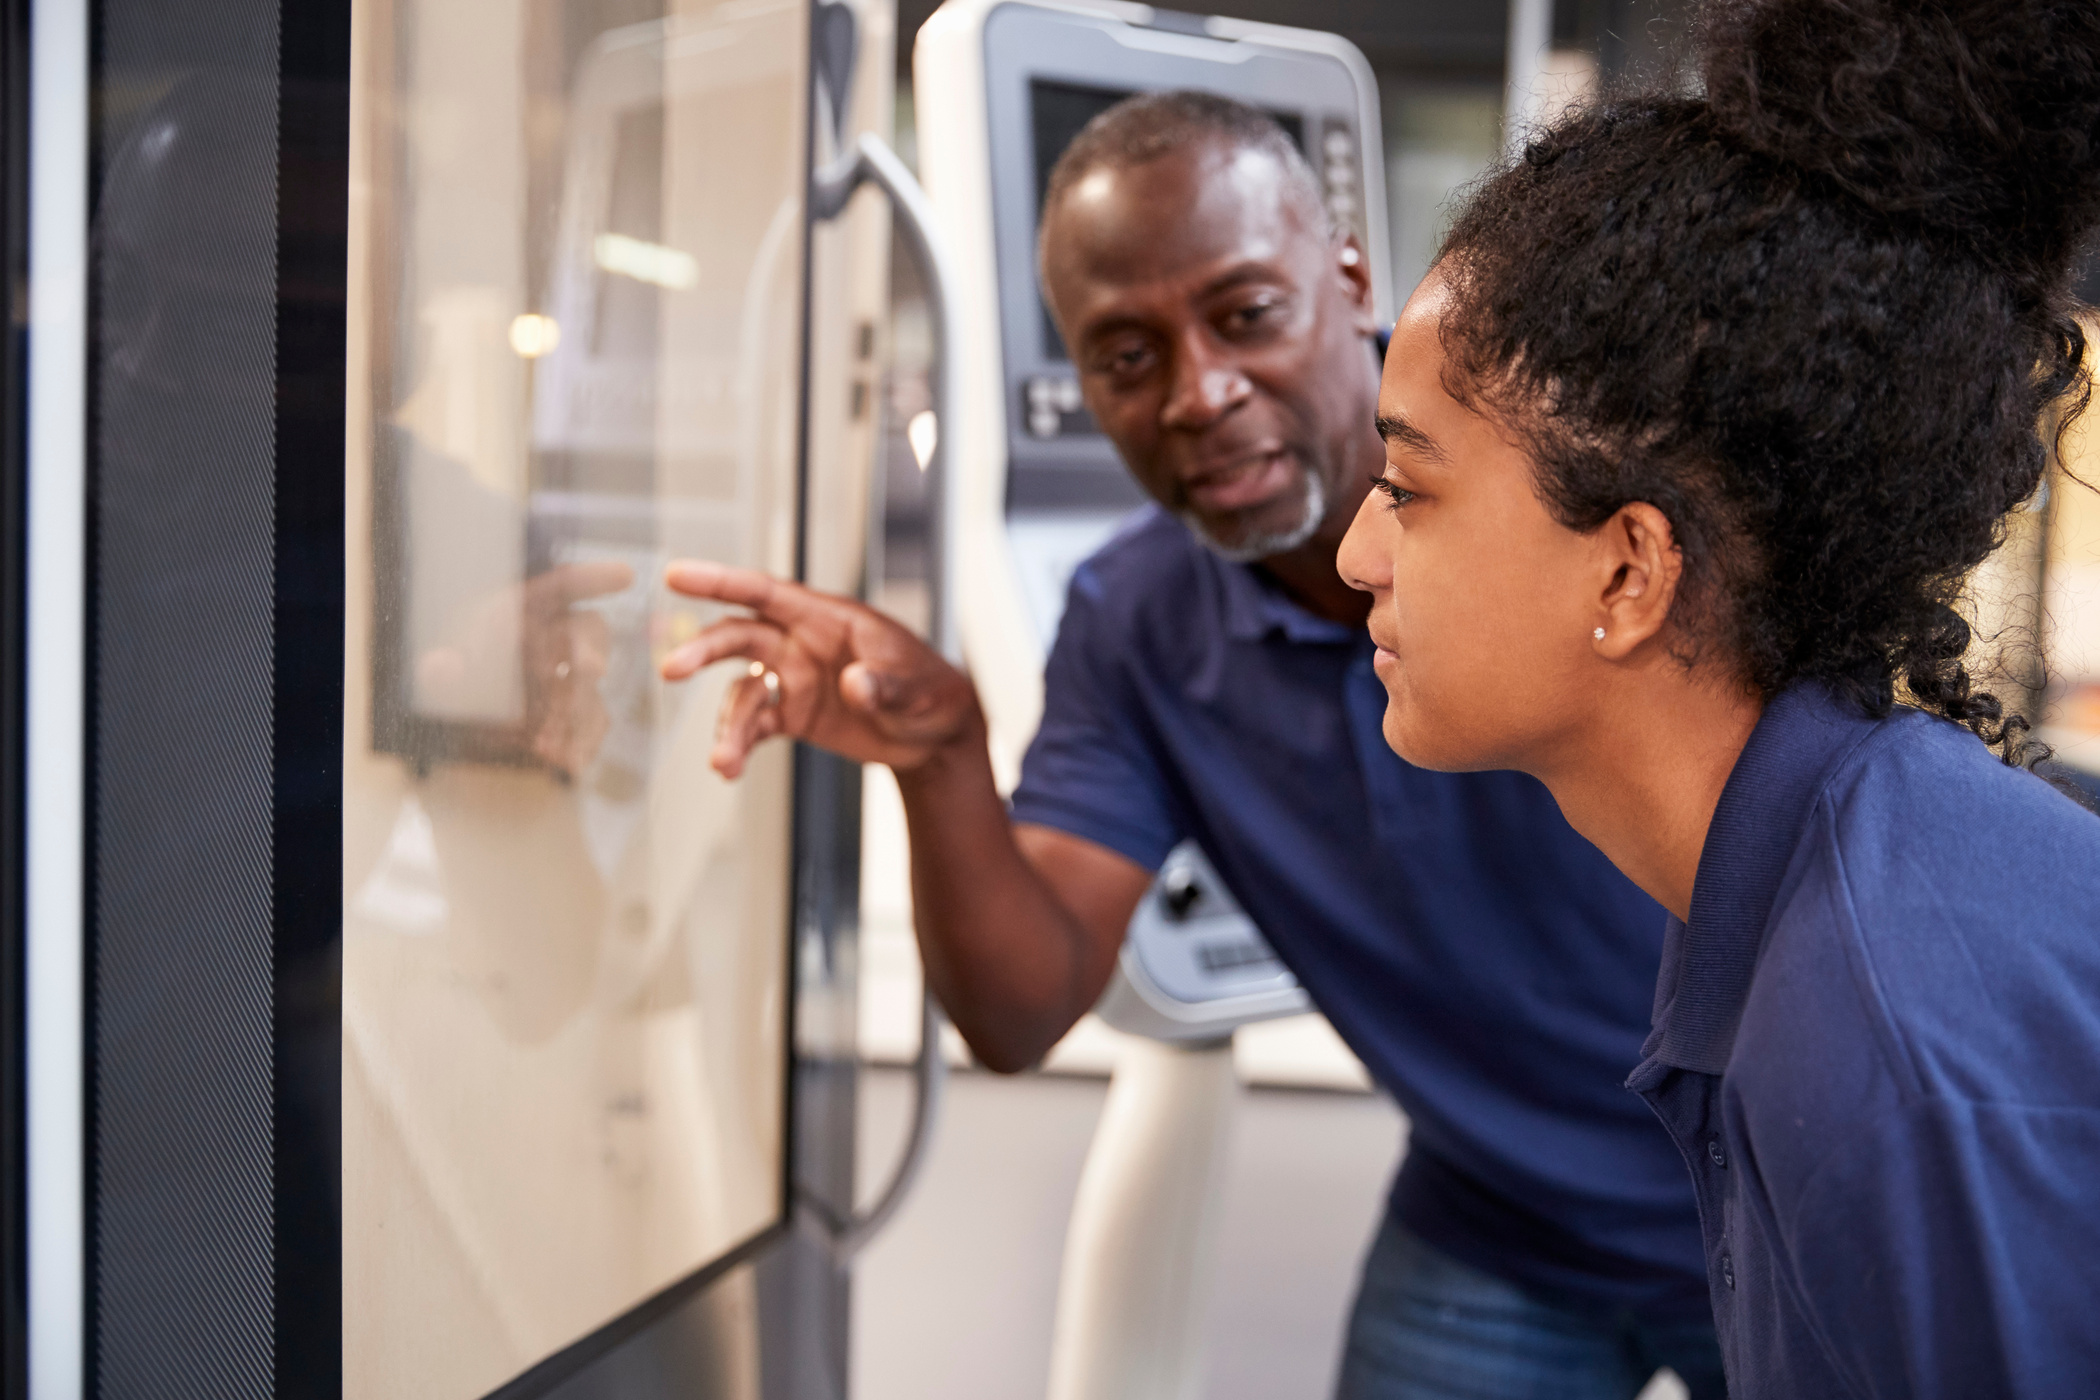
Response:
column 1817, row 316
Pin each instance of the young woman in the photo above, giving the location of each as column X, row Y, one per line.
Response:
column 1693, row 435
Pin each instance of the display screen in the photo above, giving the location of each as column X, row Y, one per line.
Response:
column 575, row 353
column 1057, row 113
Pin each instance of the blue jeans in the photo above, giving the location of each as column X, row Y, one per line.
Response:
column 1427, row 1327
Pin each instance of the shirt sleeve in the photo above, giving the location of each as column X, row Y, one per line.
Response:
column 1094, row 769
column 1949, row 1250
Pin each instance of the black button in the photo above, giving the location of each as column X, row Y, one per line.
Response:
column 1727, row 1270
column 1715, row 1153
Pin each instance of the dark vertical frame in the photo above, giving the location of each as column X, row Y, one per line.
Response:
column 14, row 249
column 216, row 628
column 180, row 503
column 805, row 1309
column 805, row 1291
column 800, row 910
column 313, row 220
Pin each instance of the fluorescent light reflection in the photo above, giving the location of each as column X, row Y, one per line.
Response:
column 645, row 262
column 533, row 336
column 923, row 432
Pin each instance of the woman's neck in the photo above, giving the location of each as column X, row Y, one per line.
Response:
column 1642, row 776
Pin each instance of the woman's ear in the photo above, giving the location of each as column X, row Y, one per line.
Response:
column 1640, row 565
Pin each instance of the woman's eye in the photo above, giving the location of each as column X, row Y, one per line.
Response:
column 1398, row 495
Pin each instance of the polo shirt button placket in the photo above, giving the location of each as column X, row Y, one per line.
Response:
column 1728, row 1270
column 1716, row 1153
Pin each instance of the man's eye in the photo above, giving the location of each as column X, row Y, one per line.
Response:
column 1398, row 495
column 1126, row 361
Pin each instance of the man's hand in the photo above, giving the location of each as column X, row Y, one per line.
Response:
column 1018, row 929
column 850, row 680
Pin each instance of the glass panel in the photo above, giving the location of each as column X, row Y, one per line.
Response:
column 574, row 353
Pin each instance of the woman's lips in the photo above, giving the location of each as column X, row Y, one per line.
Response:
column 1383, row 660
column 1243, row 484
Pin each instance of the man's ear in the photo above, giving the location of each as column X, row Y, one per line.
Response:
column 1639, row 568
column 1355, row 268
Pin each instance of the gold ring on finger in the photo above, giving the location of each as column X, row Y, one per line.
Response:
column 768, row 678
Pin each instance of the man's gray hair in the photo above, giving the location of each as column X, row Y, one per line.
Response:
column 1141, row 129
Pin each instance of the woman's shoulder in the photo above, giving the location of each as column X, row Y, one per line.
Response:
column 1922, row 783
column 1966, row 896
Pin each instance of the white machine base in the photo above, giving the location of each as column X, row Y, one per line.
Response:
column 1138, row 1252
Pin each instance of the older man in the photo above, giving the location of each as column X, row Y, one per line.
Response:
column 1211, row 679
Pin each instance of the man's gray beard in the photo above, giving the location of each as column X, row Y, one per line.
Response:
column 1261, row 546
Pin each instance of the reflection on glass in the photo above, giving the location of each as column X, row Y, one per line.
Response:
column 574, row 354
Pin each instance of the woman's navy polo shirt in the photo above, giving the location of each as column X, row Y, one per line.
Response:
column 1877, row 1044
column 1489, row 966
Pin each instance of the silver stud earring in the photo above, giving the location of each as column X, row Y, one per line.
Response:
column 1598, row 634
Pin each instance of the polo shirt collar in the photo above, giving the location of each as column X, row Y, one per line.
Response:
column 1256, row 606
column 1758, row 824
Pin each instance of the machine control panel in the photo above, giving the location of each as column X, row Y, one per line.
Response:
column 1193, row 939
column 1194, row 967
column 1051, row 407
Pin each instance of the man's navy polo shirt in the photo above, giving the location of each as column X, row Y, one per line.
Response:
column 1489, row 966
column 1878, row 1046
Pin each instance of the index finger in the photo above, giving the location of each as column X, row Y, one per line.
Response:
column 775, row 600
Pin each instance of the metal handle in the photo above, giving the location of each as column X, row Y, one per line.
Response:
column 929, row 1074
column 872, row 161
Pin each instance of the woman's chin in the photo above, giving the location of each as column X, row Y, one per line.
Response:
column 1400, row 733
column 1425, row 745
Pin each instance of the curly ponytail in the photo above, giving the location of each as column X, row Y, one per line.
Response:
column 1817, row 316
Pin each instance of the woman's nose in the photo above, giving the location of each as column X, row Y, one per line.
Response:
column 1364, row 560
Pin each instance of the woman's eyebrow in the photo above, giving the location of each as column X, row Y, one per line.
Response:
column 1394, row 429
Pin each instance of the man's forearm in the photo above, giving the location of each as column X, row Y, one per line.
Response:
column 1012, row 966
